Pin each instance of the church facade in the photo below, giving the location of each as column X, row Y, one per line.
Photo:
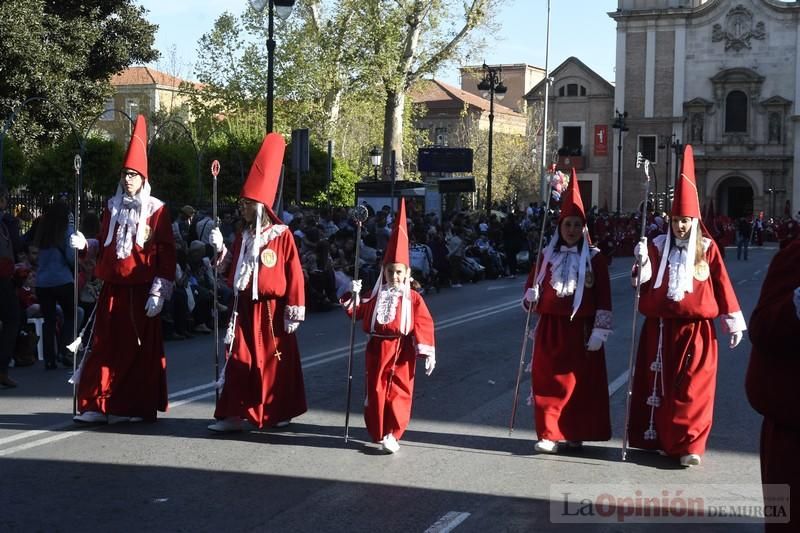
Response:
column 723, row 76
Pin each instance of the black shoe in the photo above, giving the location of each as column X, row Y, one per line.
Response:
column 66, row 361
column 50, row 365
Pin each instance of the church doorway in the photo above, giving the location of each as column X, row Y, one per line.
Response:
column 734, row 197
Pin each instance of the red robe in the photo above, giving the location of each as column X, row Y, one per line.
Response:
column 682, row 421
column 570, row 384
column 259, row 385
column 391, row 363
column 125, row 371
column 772, row 376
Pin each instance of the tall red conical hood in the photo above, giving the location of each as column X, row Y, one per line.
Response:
column 686, row 202
column 136, row 156
column 572, row 203
column 397, row 248
column 262, row 181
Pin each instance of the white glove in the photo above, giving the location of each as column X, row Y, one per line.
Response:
column 77, row 241
column 532, row 294
column 596, row 340
column 736, row 338
column 355, row 286
column 797, row 301
column 640, row 251
column 290, row 325
column 153, row 305
column 430, row 364
column 216, row 240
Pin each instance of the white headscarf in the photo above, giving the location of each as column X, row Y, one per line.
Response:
column 126, row 215
column 681, row 265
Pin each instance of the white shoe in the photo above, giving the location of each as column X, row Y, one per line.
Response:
column 91, row 417
column 546, row 446
column 283, row 423
column 114, row 419
column 227, row 425
column 691, row 459
column 390, row 444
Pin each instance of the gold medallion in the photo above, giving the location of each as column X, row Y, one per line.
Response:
column 269, row 258
column 589, row 281
column 701, row 271
column 148, row 232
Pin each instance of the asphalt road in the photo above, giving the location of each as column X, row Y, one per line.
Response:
column 458, row 468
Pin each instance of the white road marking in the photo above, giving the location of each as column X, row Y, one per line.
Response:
column 448, row 522
column 308, row 362
column 614, row 386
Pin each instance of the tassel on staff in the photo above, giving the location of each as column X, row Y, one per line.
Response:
column 640, row 160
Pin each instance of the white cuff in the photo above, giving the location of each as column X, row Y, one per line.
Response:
column 162, row 287
column 295, row 312
column 733, row 322
column 426, row 350
column 603, row 319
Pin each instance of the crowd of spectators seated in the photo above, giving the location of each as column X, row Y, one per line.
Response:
column 445, row 252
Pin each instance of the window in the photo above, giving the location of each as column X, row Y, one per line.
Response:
column 132, row 108
column 440, row 137
column 647, row 147
column 736, row 112
column 571, row 145
column 108, row 113
column 572, row 89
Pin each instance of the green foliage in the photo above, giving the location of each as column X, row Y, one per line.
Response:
column 65, row 51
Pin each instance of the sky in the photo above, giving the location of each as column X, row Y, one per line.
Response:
column 579, row 28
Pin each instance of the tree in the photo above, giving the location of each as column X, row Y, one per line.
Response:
column 408, row 39
column 66, row 52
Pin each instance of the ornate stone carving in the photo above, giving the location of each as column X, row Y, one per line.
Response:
column 739, row 29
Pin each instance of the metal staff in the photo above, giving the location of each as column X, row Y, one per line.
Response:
column 529, row 313
column 75, row 266
column 360, row 215
column 214, row 173
column 631, row 358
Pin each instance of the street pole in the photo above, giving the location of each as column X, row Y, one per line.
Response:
column 270, row 66
column 489, row 160
column 491, row 84
column 619, row 124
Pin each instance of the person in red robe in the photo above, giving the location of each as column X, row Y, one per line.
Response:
column 571, row 292
column 262, row 380
column 123, row 376
column 771, row 382
column 684, row 287
column 400, row 330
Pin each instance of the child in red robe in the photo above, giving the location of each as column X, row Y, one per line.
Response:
column 572, row 296
column 400, row 330
column 685, row 286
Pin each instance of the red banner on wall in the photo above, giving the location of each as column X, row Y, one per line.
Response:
column 601, row 139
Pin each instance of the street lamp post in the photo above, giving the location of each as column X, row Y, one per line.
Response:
column 376, row 159
column 677, row 146
column 619, row 124
column 283, row 8
column 491, row 85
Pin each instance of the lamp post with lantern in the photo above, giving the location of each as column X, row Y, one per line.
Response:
column 491, row 85
column 282, row 8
